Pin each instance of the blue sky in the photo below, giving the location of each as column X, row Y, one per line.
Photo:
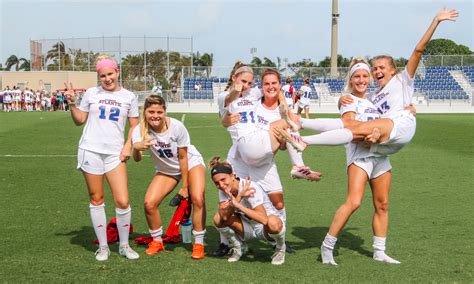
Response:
column 229, row 29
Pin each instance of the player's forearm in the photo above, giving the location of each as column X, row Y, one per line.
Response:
column 77, row 116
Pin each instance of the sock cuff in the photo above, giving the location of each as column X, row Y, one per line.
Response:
column 92, row 206
column 329, row 241
column 196, row 233
column 160, row 229
column 124, row 211
column 379, row 243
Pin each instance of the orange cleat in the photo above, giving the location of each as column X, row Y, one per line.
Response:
column 154, row 247
column 198, row 251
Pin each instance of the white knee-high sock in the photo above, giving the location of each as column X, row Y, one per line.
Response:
column 329, row 138
column 379, row 251
column 282, row 213
column 199, row 237
column 99, row 222
column 279, row 237
column 229, row 234
column 223, row 239
column 123, row 223
column 156, row 234
column 327, row 250
column 296, row 157
column 322, row 124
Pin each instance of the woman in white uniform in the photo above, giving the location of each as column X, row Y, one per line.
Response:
column 362, row 167
column 175, row 159
column 103, row 150
column 245, row 213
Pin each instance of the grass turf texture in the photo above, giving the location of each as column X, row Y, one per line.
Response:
column 46, row 229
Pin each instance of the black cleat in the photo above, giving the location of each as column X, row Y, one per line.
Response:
column 176, row 200
column 221, row 251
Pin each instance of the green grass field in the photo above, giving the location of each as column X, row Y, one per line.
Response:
column 46, row 231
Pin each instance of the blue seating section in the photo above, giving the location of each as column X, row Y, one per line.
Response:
column 438, row 84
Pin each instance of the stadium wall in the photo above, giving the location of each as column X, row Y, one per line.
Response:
column 53, row 80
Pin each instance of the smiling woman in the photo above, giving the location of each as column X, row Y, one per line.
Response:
column 102, row 152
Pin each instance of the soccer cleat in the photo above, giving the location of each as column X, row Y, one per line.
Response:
column 303, row 172
column 278, row 258
column 293, row 139
column 198, row 251
column 154, row 248
column 102, row 254
column 236, row 254
column 176, row 200
column 128, row 252
column 222, row 250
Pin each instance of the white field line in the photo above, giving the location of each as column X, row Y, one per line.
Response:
column 42, row 156
column 183, row 117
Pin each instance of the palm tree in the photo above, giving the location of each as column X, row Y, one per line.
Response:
column 61, row 60
column 19, row 63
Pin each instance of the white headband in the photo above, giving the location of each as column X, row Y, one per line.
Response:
column 243, row 69
column 359, row 66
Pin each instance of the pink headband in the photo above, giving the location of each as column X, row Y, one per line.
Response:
column 106, row 63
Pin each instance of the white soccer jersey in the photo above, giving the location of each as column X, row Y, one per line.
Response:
column 364, row 111
column 305, row 96
column 266, row 116
column 7, row 96
column 17, row 93
column 245, row 105
column 288, row 94
column 165, row 151
column 107, row 116
column 28, row 95
column 258, row 198
column 392, row 99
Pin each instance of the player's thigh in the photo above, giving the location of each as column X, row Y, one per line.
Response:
column 159, row 188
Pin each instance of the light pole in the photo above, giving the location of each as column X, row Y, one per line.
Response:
column 335, row 18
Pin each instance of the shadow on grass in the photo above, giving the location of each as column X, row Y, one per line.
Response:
column 82, row 237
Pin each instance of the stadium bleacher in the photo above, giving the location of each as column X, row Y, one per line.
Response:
column 437, row 84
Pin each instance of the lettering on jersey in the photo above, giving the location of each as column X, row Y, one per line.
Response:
column 371, row 110
column 110, row 102
column 379, row 97
column 262, row 120
column 162, row 145
column 244, row 103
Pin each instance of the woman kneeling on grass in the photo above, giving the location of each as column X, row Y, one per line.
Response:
column 175, row 159
column 245, row 213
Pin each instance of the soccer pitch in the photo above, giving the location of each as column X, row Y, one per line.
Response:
column 47, row 235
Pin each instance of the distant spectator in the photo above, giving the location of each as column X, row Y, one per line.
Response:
column 197, row 86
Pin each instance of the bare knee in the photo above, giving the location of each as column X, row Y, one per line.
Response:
column 218, row 222
column 96, row 198
column 381, row 206
column 150, row 206
column 279, row 205
column 198, row 201
column 274, row 225
column 353, row 204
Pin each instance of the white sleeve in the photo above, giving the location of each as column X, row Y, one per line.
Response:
column 84, row 106
column 257, row 198
column 183, row 139
column 136, row 137
column 220, row 103
column 222, row 196
column 408, row 87
column 133, row 112
column 348, row 108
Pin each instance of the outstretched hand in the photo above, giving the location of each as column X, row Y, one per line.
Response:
column 445, row 14
column 247, row 191
column 69, row 93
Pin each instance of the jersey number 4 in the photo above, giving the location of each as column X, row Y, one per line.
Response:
column 113, row 115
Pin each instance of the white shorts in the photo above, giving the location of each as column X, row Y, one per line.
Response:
column 17, row 99
column 96, row 163
column 404, row 127
column 8, row 101
column 289, row 102
column 255, row 148
column 266, row 175
column 301, row 104
column 374, row 166
column 193, row 161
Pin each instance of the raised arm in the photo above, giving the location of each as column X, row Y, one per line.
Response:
column 234, row 93
column 415, row 57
